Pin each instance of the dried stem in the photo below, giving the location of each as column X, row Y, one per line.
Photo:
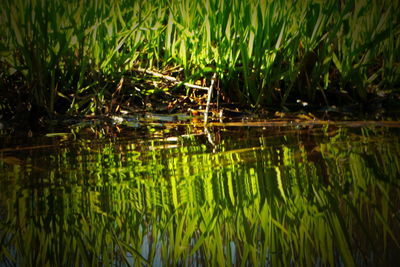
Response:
column 210, row 90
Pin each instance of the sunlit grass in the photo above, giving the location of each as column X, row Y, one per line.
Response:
column 264, row 52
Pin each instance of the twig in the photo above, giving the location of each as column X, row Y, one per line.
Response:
column 210, row 89
column 172, row 79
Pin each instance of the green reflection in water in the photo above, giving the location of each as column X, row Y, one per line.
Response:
column 312, row 196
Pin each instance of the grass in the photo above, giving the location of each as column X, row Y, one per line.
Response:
column 73, row 55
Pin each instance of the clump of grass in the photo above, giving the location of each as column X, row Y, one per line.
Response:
column 263, row 51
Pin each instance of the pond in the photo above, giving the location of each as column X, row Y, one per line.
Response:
column 176, row 193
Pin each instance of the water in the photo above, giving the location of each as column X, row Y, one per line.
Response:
column 164, row 194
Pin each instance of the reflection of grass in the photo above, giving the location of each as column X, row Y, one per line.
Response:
column 263, row 51
column 118, row 205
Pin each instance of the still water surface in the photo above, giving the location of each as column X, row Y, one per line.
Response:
column 177, row 194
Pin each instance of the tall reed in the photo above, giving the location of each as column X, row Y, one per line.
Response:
column 263, row 51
